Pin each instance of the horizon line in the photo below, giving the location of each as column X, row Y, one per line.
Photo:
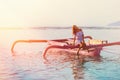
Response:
column 85, row 27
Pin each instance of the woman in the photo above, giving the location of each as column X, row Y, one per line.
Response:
column 78, row 37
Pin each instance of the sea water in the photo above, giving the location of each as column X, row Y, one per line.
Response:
column 28, row 63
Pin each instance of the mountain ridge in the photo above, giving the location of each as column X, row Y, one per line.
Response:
column 117, row 23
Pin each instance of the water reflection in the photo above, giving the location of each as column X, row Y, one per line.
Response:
column 78, row 70
column 78, row 67
column 55, row 58
column 8, row 70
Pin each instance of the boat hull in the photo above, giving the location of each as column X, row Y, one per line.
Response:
column 91, row 52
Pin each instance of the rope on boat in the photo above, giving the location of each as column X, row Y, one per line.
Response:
column 110, row 50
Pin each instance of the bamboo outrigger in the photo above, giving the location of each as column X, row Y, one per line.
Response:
column 40, row 41
column 94, row 49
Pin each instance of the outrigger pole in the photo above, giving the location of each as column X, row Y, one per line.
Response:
column 32, row 41
column 105, row 45
column 39, row 41
column 25, row 41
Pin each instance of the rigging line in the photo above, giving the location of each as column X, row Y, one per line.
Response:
column 109, row 48
column 108, row 51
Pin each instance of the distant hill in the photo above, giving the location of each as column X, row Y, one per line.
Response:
column 114, row 24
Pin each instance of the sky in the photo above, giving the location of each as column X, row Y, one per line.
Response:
column 37, row 13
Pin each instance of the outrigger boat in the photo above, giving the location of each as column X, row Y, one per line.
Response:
column 93, row 47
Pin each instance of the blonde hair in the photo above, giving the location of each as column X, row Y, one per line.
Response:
column 75, row 29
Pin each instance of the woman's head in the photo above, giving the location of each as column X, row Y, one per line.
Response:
column 75, row 29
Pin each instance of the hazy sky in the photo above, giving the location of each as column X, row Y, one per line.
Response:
column 27, row 13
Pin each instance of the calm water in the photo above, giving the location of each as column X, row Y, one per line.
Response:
column 28, row 63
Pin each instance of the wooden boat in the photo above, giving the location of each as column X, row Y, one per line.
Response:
column 93, row 47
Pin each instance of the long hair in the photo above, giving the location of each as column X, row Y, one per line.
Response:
column 75, row 29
